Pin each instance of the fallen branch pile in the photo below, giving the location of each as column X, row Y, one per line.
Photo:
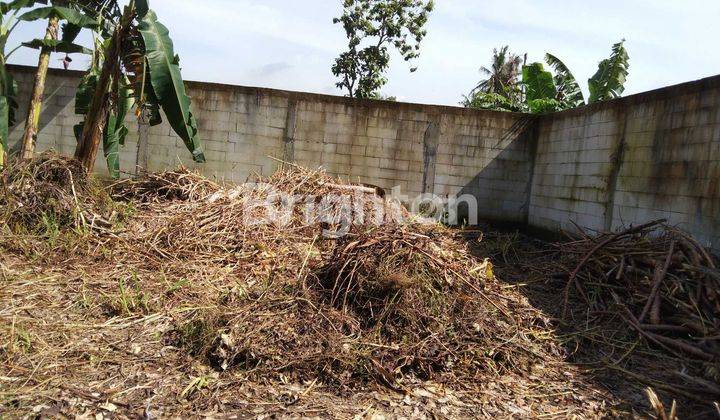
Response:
column 51, row 193
column 384, row 299
column 666, row 285
column 199, row 289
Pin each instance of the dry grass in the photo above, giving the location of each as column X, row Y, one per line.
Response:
column 177, row 306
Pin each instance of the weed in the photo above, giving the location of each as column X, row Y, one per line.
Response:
column 131, row 299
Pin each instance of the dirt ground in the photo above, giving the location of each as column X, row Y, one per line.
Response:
column 154, row 299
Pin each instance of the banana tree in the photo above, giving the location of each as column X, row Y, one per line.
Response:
column 75, row 15
column 540, row 90
column 609, row 81
column 139, row 68
column 8, row 86
column 568, row 93
column 547, row 93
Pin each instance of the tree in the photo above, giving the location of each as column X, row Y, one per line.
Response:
column 372, row 26
column 500, row 89
column 135, row 66
column 8, row 86
column 76, row 15
column 492, row 101
column 609, row 81
column 539, row 91
column 568, row 92
column 546, row 93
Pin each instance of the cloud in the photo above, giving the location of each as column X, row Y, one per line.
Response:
column 271, row 69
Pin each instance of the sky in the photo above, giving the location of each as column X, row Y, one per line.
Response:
column 291, row 44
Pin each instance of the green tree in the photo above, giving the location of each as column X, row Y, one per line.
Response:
column 609, row 81
column 8, row 86
column 500, row 88
column 539, row 91
column 137, row 66
column 546, row 93
column 75, row 14
column 568, row 92
column 372, row 26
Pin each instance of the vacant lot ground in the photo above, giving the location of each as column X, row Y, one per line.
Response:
column 157, row 298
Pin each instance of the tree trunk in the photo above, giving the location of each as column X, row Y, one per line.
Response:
column 33, row 117
column 96, row 118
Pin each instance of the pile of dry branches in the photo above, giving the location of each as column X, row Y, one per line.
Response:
column 52, row 193
column 185, row 298
column 665, row 285
column 381, row 301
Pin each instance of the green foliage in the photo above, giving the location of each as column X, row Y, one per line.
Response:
column 84, row 92
column 609, row 81
column 16, row 5
column 540, row 91
column 491, row 101
column 130, row 300
column 116, row 131
column 57, row 45
column 500, row 90
column 72, row 16
column 380, row 97
column 372, row 26
column 543, row 105
column 538, row 82
column 569, row 93
column 8, row 106
column 167, row 83
column 502, row 75
column 8, row 86
column 142, row 70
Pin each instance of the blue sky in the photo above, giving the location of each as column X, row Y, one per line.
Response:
column 291, row 44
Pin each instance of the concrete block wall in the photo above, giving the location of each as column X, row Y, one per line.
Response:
column 573, row 169
column 418, row 148
column 612, row 164
column 628, row 161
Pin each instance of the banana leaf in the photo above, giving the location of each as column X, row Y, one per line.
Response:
column 18, row 4
column 538, row 82
column 85, row 91
column 70, row 32
column 57, row 45
column 568, row 89
column 70, row 15
column 115, row 130
column 167, row 81
column 609, row 81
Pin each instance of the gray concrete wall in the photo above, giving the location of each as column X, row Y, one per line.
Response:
column 643, row 157
column 419, row 148
column 621, row 162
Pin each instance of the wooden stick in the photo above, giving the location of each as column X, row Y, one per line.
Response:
column 586, row 258
column 654, row 298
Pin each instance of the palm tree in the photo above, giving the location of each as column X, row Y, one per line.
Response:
column 501, row 89
column 503, row 74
